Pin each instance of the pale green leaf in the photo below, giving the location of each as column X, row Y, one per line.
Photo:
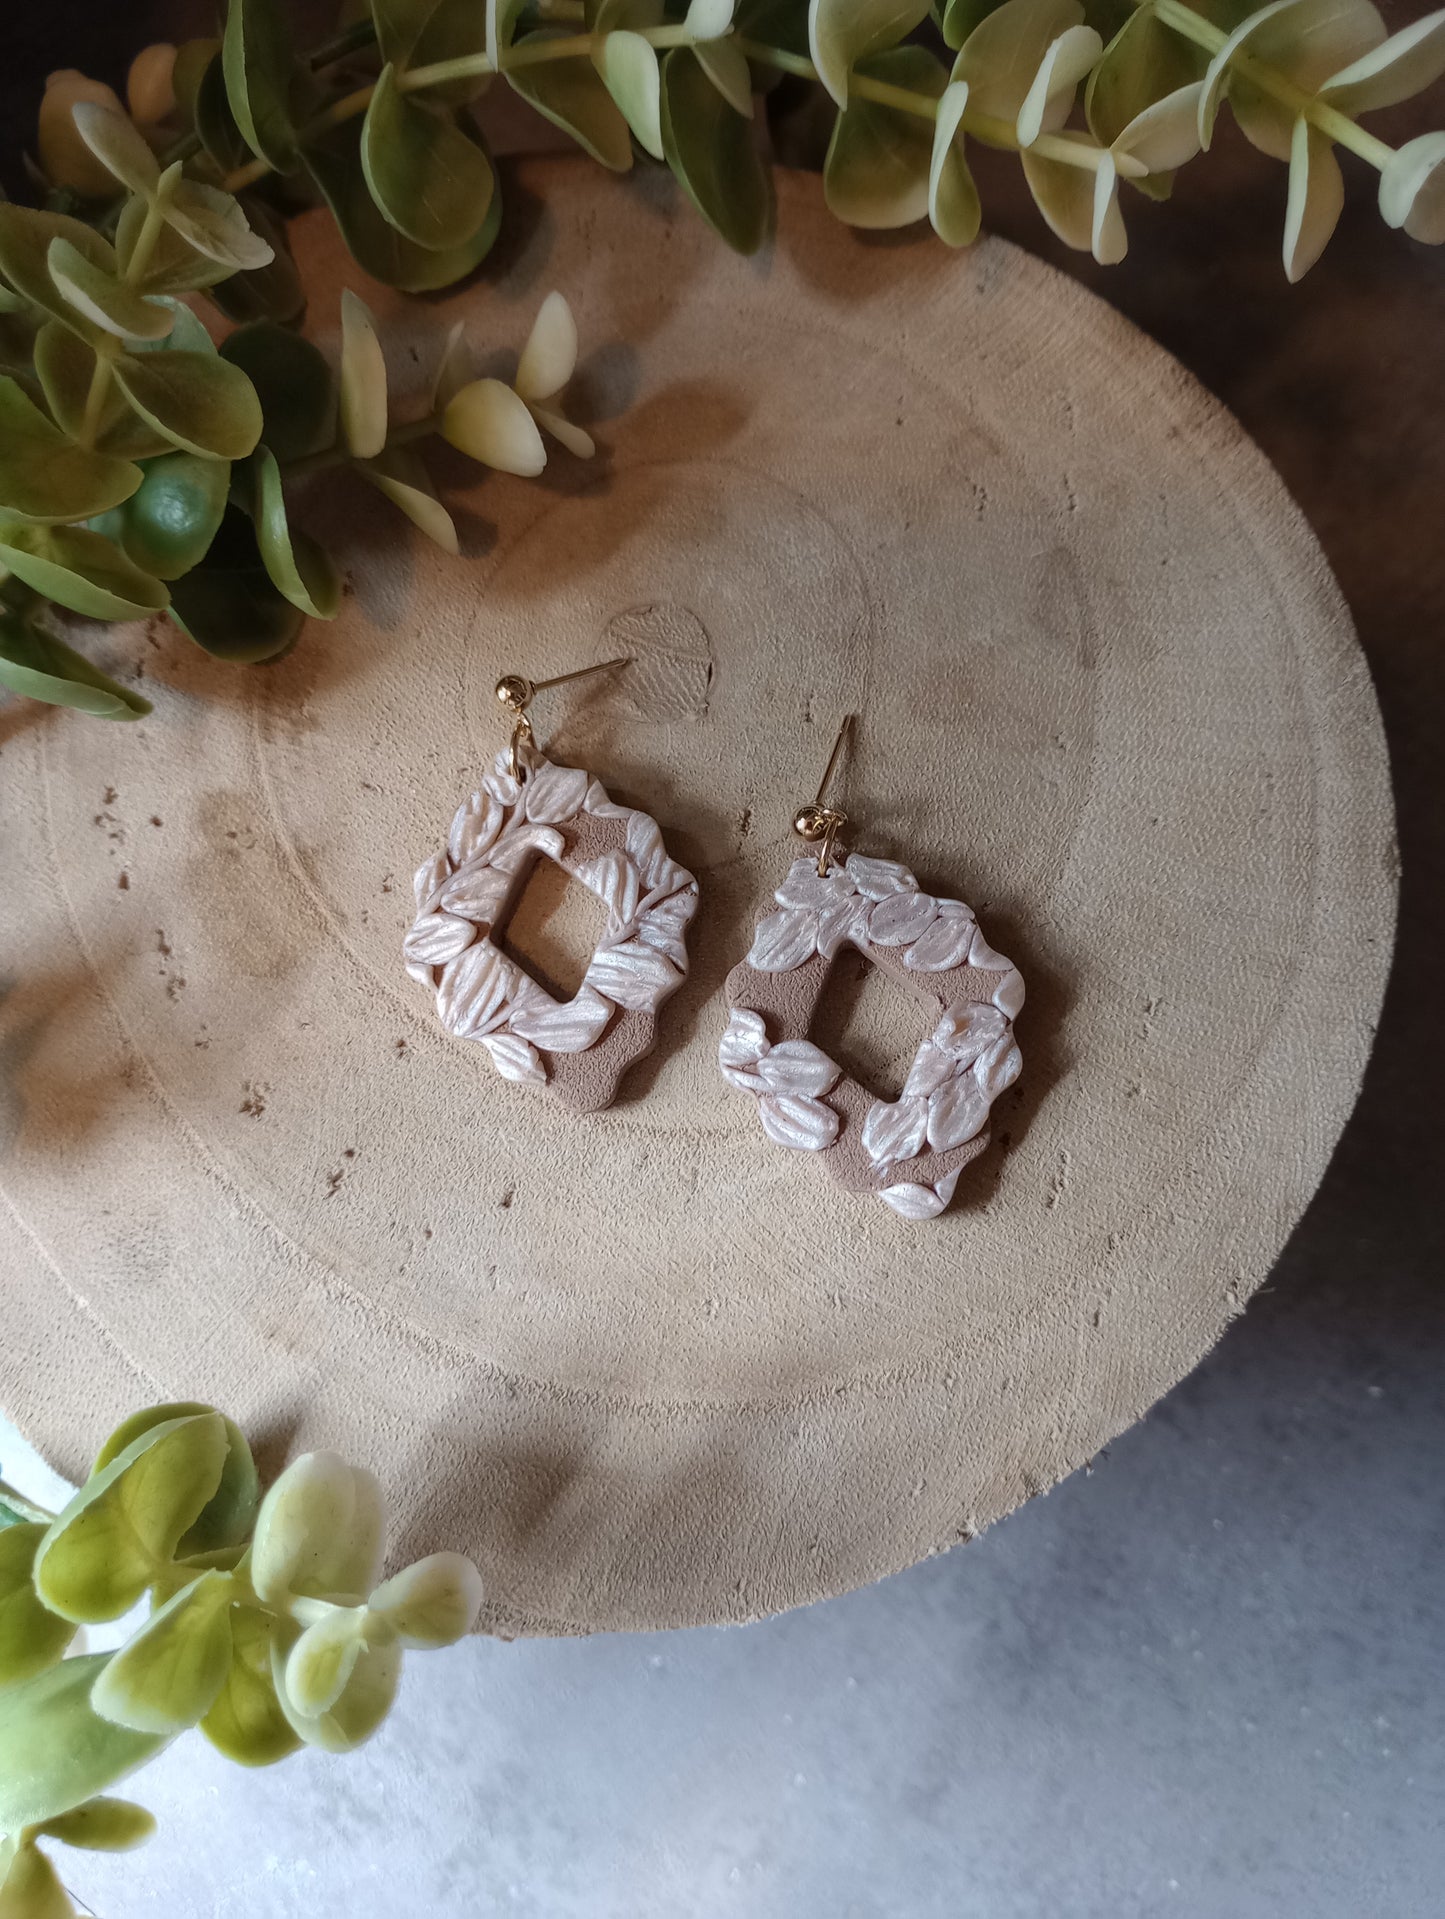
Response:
column 629, row 68
column 726, row 66
column 426, row 33
column 841, row 33
column 708, row 19
column 953, row 204
column 454, row 368
column 30, row 1887
column 880, row 159
column 549, row 358
column 1049, row 101
column 173, row 264
column 398, row 472
column 572, row 95
column 1412, row 189
column 319, row 1531
column 227, row 1516
column 1396, row 69
column 1316, row 199
column 363, row 380
column 299, row 567
column 323, row 1660
column 432, row 1603
column 712, row 151
column 293, row 383
column 107, row 1545
column 1264, row 121
column 195, row 400
column 1315, row 38
column 32, row 1637
column 565, row 431
column 58, row 1750
column 431, row 182
column 490, row 423
column 1080, row 204
column 256, row 60
column 118, row 145
column 41, row 667
column 102, row 299
column 215, row 224
column 215, row 124
column 25, row 237
column 228, row 605
column 46, row 476
column 81, row 570
column 169, row 1674
column 363, row 1704
column 65, row 158
column 101, row 1825
column 499, row 20
column 1145, row 62
column 65, row 366
column 1166, row 134
column 1003, row 54
column 246, row 1722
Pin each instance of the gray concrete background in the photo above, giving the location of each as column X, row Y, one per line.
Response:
column 1203, row 1680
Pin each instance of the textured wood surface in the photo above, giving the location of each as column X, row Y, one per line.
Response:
column 642, row 1366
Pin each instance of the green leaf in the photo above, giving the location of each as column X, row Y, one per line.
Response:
column 880, row 159
column 319, row 1531
column 197, row 401
column 1080, row 205
column 102, row 299
column 1143, row 63
column 1403, row 65
column 174, row 265
column 246, row 1723
column 1002, row 56
column 122, row 1527
column 1050, row 99
column 398, row 472
column 842, row 33
column 729, row 72
column 212, row 222
column 256, row 59
column 489, row 422
column 167, row 526
column 227, row 1516
column 215, row 123
column 629, row 69
column 58, row 1750
column 424, row 33
column 960, row 17
column 323, row 1660
column 298, row 566
column 953, row 204
column 118, row 145
column 64, row 365
column 168, row 1676
column 80, row 570
column 431, row 182
column 25, row 237
column 364, row 1701
column 272, row 292
column 46, row 476
column 377, row 247
column 549, row 359
column 31, row 1636
column 101, row 1825
column 193, row 58
column 432, row 1603
column 293, row 382
column 1412, row 189
column 41, row 667
column 1316, row 199
column 714, row 155
column 572, row 95
column 363, row 380
column 30, row 1887
column 228, row 605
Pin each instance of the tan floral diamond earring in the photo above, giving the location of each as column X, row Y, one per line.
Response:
column 529, row 808
column 911, row 1150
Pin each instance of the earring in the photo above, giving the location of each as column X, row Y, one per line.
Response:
column 911, row 1150
column 529, row 808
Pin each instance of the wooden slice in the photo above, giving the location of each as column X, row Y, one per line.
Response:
column 644, row 1366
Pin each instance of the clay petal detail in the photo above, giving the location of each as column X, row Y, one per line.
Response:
column 912, row 1201
column 745, row 1041
column 428, row 879
column 437, row 937
column 1008, row 995
column 806, row 1124
column 838, row 926
column 613, row 878
column 554, row 793
column 895, row 1130
column 999, row 1067
column 513, row 1057
column 930, row 1068
column 475, row 825
column 473, row 990
column 943, row 946
column 632, row 975
column 569, row 1028
column 805, row 886
column 521, row 844
column 982, row 955
column 783, row 940
column 902, row 918
column 877, row 879
column 966, row 1030
column 956, row 1112
column 478, row 892
column 797, row 1066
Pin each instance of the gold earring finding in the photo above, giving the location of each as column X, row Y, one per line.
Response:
column 516, row 693
column 818, row 824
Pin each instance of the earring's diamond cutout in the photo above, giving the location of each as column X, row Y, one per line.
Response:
column 910, row 1149
column 553, row 928
column 582, row 1045
column 868, row 1025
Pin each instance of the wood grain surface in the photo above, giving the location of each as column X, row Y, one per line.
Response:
column 642, row 1366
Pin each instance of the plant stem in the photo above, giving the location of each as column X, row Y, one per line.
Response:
column 336, row 454
column 362, row 33
column 1337, row 126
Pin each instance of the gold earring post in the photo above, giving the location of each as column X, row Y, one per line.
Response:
column 516, row 693
column 819, row 824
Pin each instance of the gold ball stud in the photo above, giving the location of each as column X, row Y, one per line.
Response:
column 811, row 823
column 513, row 692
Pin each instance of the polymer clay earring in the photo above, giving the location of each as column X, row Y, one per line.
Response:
column 529, row 808
column 910, row 1150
